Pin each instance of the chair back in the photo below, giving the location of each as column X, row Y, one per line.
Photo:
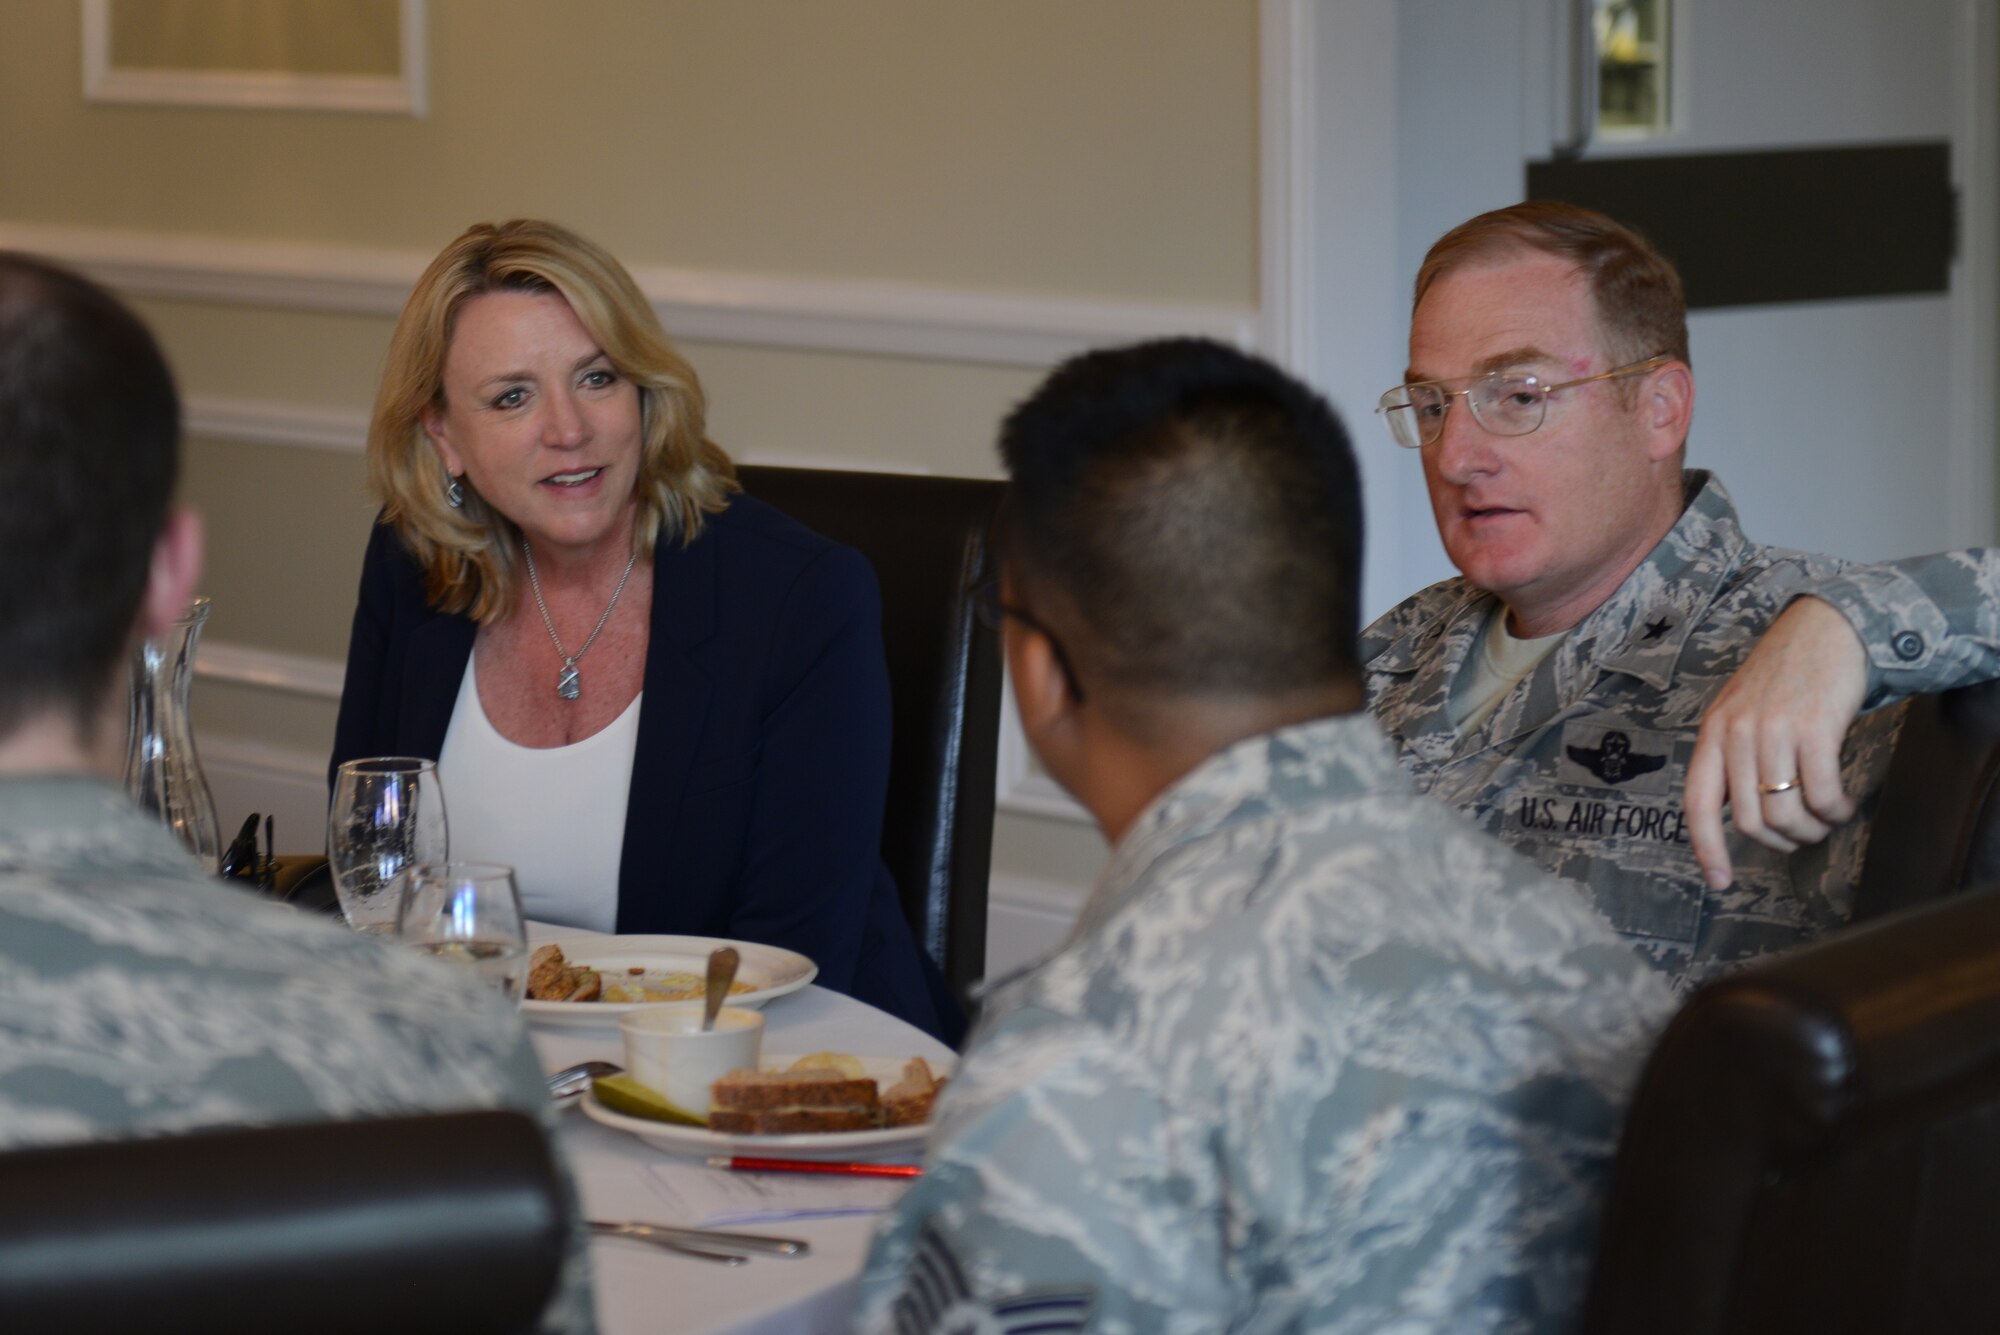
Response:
column 1815, row 1144
column 1936, row 829
column 926, row 538
column 433, row 1223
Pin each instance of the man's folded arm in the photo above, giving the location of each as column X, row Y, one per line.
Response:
column 1770, row 741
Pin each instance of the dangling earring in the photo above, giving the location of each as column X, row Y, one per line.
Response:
column 454, row 491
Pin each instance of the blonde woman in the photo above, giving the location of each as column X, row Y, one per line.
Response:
column 662, row 701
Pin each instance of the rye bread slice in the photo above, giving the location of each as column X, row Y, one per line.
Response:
column 756, row 1090
column 789, row 1121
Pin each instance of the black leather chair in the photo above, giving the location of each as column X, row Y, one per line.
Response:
column 449, row 1222
column 1815, row 1144
column 1936, row 829
column 926, row 537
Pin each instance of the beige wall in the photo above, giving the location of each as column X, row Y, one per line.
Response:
column 1040, row 145
column 1101, row 151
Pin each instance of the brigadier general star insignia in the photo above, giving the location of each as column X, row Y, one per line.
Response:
column 1655, row 629
column 940, row 1302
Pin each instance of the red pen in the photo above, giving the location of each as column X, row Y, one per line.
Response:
column 744, row 1165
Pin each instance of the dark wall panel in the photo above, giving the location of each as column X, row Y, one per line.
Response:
column 1798, row 225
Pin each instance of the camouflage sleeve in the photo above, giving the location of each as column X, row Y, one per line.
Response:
column 1060, row 1193
column 1930, row 623
column 1392, row 625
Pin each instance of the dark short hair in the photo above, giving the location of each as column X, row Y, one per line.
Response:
column 1199, row 512
column 89, row 433
column 1636, row 290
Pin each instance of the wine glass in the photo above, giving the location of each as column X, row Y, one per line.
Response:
column 387, row 815
column 469, row 913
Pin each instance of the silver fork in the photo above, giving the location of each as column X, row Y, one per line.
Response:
column 570, row 1083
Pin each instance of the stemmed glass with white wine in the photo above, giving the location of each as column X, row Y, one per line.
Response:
column 387, row 816
column 469, row 913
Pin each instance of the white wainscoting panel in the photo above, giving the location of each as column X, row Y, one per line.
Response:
column 1022, row 788
column 246, row 776
column 272, row 669
column 759, row 310
column 1026, row 919
column 262, row 422
column 301, row 426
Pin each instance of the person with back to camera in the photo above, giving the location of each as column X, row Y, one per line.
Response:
column 1318, row 1055
column 140, row 995
column 665, row 703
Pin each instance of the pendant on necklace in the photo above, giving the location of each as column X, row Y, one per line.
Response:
column 567, row 684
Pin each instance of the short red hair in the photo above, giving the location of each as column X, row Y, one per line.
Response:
column 1640, row 306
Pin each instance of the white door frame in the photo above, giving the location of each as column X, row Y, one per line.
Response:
column 1973, row 463
column 1332, row 308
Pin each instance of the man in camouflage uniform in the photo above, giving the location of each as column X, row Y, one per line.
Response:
column 1864, row 638
column 1552, row 692
column 140, row 995
column 1318, row 1055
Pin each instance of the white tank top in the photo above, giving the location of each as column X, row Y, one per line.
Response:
column 556, row 814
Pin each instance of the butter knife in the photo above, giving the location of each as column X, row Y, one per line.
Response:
column 666, row 1234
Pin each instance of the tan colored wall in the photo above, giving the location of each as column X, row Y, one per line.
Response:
column 1043, row 145
column 1037, row 148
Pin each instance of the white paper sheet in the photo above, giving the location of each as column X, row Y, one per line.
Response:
column 708, row 1197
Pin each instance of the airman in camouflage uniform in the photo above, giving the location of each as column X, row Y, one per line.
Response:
column 139, row 995
column 1549, row 403
column 1318, row 1056
column 1581, row 766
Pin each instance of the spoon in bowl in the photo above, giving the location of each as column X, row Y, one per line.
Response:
column 722, row 964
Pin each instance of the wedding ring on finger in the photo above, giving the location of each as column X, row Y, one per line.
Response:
column 1767, row 789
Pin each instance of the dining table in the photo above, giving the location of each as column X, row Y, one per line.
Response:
column 641, row 1288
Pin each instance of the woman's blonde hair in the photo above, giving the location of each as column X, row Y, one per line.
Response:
column 471, row 555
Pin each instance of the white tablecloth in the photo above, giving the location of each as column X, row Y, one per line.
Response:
column 642, row 1290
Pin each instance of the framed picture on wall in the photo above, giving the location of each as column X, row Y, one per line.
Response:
column 322, row 55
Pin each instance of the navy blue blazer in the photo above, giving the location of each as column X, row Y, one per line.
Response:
column 763, row 751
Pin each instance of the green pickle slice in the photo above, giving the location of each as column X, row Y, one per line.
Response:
column 623, row 1094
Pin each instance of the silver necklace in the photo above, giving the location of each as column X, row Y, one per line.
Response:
column 568, row 684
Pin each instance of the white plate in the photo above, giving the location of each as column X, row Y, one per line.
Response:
column 699, row 1142
column 771, row 971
